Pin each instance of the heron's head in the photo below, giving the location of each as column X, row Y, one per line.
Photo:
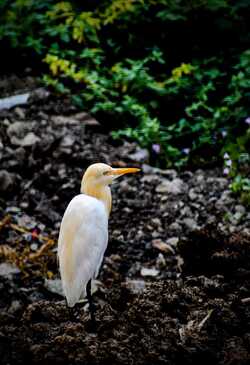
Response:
column 100, row 174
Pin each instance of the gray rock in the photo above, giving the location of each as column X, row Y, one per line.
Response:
column 226, row 195
column 156, row 222
column 17, row 129
column 39, row 94
column 145, row 271
column 186, row 212
column 190, row 224
column 192, row 194
column 169, row 173
column 15, row 307
column 241, row 209
column 29, row 140
column 6, row 122
column 155, row 234
column 139, row 234
column 149, row 178
column 222, row 227
column 211, row 219
column 160, row 262
column 20, row 134
column 175, row 227
column 237, row 217
column 147, row 169
column 232, row 229
column 141, row 155
column 24, row 205
column 220, row 181
column 173, row 241
column 246, row 231
column 85, row 117
column 64, row 121
column 67, row 141
column 54, row 285
column 20, row 154
column 225, row 200
column 124, row 186
column 20, row 113
column 136, row 286
column 175, row 187
column 196, row 206
column 34, row 246
column 134, row 269
column 8, row 270
column 6, row 180
column 199, row 179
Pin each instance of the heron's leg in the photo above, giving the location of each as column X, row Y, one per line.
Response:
column 91, row 304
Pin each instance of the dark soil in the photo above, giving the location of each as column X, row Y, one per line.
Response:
column 175, row 282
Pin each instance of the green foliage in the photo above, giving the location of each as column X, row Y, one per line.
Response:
column 240, row 184
column 241, row 187
column 237, row 165
column 175, row 74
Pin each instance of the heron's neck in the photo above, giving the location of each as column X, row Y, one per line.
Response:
column 99, row 192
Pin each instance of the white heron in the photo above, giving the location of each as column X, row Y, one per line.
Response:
column 83, row 236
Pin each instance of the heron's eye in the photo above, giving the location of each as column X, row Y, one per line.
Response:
column 105, row 173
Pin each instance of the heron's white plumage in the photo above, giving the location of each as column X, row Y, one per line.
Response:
column 82, row 242
column 83, row 235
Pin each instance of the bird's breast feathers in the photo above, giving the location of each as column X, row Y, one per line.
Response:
column 82, row 242
column 86, row 208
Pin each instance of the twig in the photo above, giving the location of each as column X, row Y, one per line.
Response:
column 42, row 250
column 48, row 242
column 5, row 221
column 26, row 230
column 7, row 252
column 201, row 324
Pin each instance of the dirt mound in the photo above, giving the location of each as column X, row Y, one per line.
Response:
column 171, row 321
column 208, row 251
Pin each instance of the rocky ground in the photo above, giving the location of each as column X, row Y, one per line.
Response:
column 175, row 282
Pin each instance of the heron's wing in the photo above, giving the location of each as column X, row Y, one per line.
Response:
column 82, row 242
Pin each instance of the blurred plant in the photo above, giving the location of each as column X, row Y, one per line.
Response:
column 237, row 166
column 146, row 68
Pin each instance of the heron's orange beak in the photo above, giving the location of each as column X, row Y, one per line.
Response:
column 123, row 171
